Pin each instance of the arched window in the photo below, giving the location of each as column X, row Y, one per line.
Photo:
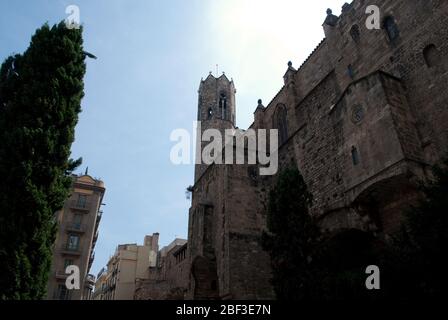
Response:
column 355, row 33
column 209, row 113
column 431, row 55
column 223, row 106
column 391, row 28
column 282, row 123
column 355, row 156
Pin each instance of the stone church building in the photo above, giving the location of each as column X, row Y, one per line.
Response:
column 363, row 118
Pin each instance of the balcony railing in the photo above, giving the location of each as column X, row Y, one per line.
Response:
column 61, row 275
column 66, row 249
column 90, row 277
column 82, row 206
column 90, row 280
column 76, row 227
column 98, row 219
column 91, row 258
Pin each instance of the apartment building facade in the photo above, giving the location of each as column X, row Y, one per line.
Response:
column 130, row 261
column 76, row 238
column 100, row 285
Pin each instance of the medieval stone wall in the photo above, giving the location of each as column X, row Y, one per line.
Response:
column 366, row 115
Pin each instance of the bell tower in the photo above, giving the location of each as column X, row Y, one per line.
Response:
column 216, row 110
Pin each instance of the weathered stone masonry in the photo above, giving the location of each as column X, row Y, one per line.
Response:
column 363, row 118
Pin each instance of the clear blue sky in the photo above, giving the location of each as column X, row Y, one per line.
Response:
column 151, row 57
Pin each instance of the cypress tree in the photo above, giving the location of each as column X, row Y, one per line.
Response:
column 40, row 98
column 307, row 265
column 291, row 236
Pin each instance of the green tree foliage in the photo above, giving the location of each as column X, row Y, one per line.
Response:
column 291, row 235
column 40, row 97
column 419, row 254
column 309, row 265
column 339, row 266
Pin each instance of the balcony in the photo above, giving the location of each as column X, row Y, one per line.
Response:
column 90, row 281
column 61, row 275
column 76, row 227
column 92, row 257
column 69, row 250
column 90, row 278
column 98, row 219
column 80, row 206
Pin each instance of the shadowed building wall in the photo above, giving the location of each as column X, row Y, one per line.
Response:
column 363, row 118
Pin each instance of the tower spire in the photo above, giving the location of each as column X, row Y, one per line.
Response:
column 216, row 110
